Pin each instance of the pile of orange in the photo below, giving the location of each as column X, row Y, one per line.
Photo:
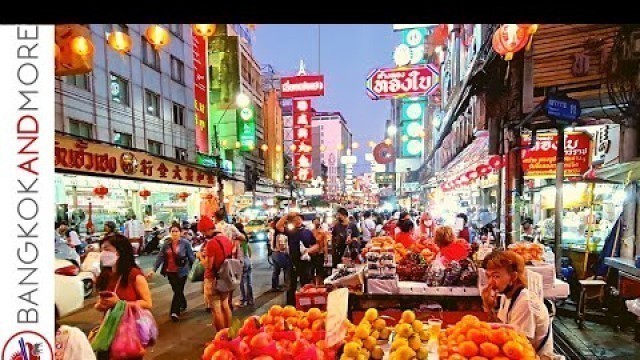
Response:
column 283, row 333
column 472, row 339
column 529, row 251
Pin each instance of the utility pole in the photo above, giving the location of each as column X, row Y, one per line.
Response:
column 559, row 197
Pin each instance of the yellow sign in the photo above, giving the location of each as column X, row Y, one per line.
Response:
column 86, row 156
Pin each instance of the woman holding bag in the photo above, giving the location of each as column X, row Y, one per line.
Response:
column 176, row 258
column 120, row 278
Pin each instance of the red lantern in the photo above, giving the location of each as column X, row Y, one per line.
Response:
column 440, row 35
column 483, row 170
column 511, row 38
column 100, row 191
column 183, row 196
column 144, row 193
column 472, row 175
column 496, row 162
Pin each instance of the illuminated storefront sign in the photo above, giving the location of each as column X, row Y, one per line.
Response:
column 302, row 86
column 76, row 155
column 540, row 161
column 302, row 139
column 398, row 82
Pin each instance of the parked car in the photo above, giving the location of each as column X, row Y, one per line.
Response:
column 257, row 230
column 69, row 287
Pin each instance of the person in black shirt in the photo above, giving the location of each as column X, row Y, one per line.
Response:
column 344, row 233
column 292, row 225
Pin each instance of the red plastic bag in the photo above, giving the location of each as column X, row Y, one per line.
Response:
column 126, row 343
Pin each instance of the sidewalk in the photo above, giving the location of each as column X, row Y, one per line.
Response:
column 594, row 342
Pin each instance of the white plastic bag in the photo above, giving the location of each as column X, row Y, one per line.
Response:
column 634, row 306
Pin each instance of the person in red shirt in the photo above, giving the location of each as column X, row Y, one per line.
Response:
column 406, row 235
column 120, row 278
column 451, row 249
column 463, row 230
column 217, row 249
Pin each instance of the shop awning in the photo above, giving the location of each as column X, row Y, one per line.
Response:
column 468, row 159
column 621, row 173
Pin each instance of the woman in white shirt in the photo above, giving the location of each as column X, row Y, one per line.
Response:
column 72, row 343
column 507, row 298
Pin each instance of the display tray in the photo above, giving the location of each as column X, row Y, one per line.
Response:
column 420, row 288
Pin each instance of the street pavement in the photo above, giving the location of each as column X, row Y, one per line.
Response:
column 186, row 339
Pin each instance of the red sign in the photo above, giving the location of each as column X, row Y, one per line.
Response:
column 302, row 139
column 200, row 94
column 406, row 81
column 540, row 161
column 302, row 86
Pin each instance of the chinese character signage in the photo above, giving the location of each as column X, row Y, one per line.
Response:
column 81, row 156
column 302, row 139
column 404, row 81
column 540, row 161
column 200, row 94
column 302, row 86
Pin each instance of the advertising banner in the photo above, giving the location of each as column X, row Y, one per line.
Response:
column 540, row 161
column 405, row 81
column 302, row 86
column 201, row 113
column 385, row 178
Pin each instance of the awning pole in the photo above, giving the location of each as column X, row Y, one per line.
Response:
column 559, row 198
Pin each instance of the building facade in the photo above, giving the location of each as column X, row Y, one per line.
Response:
column 334, row 140
column 136, row 110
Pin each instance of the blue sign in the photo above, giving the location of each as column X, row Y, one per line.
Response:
column 564, row 108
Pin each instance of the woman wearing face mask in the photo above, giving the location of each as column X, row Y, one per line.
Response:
column 176, row 258
column 120, row 278
column 507, row 298
column 427, row 226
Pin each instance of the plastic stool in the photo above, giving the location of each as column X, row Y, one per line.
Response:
column 589, row 289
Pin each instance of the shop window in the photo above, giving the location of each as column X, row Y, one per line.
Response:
column 181, row 154
column 152, row 103
column 178, row 114
column 177, row 70
column 150, row 56
column 154, row 147
column 176, row 29
column 81, row 129
column 119, row 89
column 123, row 139
column 80, row 81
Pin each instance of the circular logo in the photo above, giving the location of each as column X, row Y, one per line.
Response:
column 27, row 345
column 383, row 153
column 128, row 163
column 414, row 111
column 246, row 114
column 402, row 55
column 414, row 37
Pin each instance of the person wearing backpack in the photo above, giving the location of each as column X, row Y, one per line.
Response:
column 176, row 258
column 222, row 272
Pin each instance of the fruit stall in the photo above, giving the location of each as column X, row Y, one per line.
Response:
column 393, row 278
column 284, row 333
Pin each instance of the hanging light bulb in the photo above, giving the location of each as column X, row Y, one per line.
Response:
column 238, row 145
column 157, row 36
column 224, row 143
column 372, row 144
column 292, row 147
column 81, row 46
column 355, row 145
column 204, row 30
column 340, row 147
column 387, row 141
column 119, row 41
column 264, row 147
column 278, row 148
column 323, row 148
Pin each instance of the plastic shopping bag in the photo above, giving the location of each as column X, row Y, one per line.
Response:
column 126, row 344
column 107, row 332
column 633, row 306
column 197, row 272
column 146, row 326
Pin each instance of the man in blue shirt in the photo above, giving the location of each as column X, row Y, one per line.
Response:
column 292, row 225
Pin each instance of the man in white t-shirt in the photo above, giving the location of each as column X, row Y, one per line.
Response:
column 134, row 231
column 70, row 236
column 368, row 228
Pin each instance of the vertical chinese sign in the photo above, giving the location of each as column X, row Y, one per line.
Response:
column 302, row 137
column 200, row 94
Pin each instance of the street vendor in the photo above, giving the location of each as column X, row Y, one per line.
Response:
column 451, row 248
column 508, row 300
